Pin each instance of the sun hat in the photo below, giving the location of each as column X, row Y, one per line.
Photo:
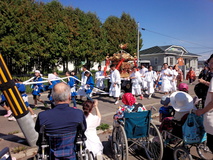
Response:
column 165, row 100
column 183, row 87
column 181, row 101
column 128, row 99
column 37, row 71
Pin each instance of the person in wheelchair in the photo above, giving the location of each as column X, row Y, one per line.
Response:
column 61, row 124
column 182, row 104
column 129, row 105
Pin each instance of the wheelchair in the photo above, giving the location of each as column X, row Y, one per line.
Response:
column 57, row 146
column 172, row 139
column 135, row 130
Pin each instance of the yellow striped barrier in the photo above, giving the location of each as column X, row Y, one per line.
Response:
column 16, row 103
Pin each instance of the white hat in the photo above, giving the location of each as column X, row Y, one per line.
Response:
column 181, row 101
column 37, row 71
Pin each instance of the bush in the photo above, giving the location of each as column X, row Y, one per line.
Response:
column 103, row 127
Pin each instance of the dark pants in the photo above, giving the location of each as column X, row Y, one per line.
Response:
column 74, row 101
column 210, row 141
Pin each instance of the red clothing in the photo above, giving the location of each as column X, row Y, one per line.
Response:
column 191, row 75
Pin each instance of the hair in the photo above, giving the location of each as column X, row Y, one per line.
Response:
column 149, row 66
column 85, row 66
column 87, row 73
column 165, row 63
column 68, row 72
column 87, row 107
column 61, row 92
column 112, row 65
column 209, row 58
column 99, row 66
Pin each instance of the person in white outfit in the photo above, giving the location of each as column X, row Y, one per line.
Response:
column 99, row 78
column 93, row 142
column 150, row 77
column 165, row 74
column 136, row 80
column 173, row 79
column 115, row 79
column 81, row 91
column 143, row 70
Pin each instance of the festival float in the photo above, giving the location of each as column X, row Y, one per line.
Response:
column 124, row 63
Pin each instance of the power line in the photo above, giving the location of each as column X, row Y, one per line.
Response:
column 176, row 38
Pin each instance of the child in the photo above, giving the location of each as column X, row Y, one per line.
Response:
column 89, row 85
column 22, row 89
column 37, row 88
column 165, row 110
column 71, row 83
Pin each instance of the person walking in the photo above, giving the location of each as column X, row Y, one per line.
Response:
column 191, row 76
column 99, row 78
column 136, row 80
column 150, row 78
column 115, row 79
column 165, row 74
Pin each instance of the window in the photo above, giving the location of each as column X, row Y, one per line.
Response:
column 156, row 60
column 171, row 61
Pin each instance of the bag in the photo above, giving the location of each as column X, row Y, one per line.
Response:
column 193, row 130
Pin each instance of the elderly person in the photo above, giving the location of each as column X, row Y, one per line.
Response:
column 62, row 119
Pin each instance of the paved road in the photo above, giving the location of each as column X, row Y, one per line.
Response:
column 107, row 109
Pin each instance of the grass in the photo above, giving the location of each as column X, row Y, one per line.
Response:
column 103, row 127
column 18, row 149
column 14, row 132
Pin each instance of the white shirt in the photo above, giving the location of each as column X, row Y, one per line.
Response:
column 137, row 76
column 99, row 74
column 166, row 71
column 150, row 76
column 143, row 71
column 208, row 116
column 115, row 77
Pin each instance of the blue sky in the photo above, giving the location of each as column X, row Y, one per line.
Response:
column 190, row 22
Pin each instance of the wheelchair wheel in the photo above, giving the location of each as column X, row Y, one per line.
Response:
column 88, row 155
column 119, row 143
column 203, row 151
column 154, row 143
column 181, row 153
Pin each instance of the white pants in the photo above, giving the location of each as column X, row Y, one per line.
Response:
column 136, row 89
column 150, row 86
column 166, row 86
column 115, row 91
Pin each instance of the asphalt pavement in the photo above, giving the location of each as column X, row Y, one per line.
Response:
column 12, row 137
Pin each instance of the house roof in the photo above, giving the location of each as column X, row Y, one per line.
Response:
column 166, row 49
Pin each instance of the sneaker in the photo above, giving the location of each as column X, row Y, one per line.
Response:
column 116, row 102
column 34, row 116
column 11, row 118
column 8, row 114
column 150, row 96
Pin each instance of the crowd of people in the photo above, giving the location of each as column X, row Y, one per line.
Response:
column 176, row 102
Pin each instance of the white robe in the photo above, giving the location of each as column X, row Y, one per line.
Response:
column 150, row 77
column 136, row 87
column 99, row 76
column 143, row 82
column 81, row 90
column 173, row 81
column 115, row 78
column 166, row 85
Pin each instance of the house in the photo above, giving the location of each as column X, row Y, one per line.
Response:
column 158, row 55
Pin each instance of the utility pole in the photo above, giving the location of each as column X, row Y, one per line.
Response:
column 138, row 45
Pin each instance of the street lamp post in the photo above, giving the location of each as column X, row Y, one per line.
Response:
column 138, row 45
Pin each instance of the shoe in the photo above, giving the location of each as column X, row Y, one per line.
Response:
column 45, row 105
column 150, row 96
column 11, row 118
column 8, row 114
column 141, row 97
column 34, row 116
column 116, row 102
